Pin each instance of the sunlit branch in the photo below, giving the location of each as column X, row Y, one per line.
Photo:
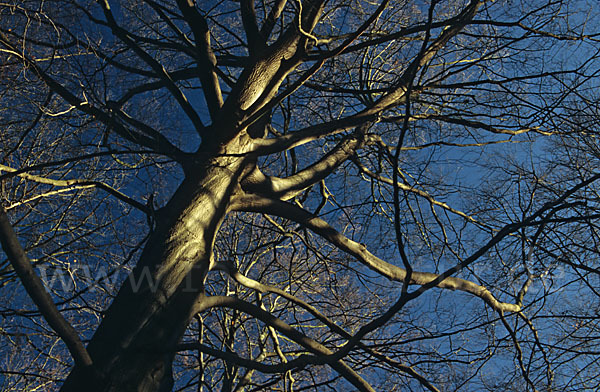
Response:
column 255, row 91
column 407, row 188
column 308, row 134
column 228, row 267
column 392, row 98
column 262, row 107
column 255, row 203
column 486, row 127
column 288, row 187
column 309, row 344
column 77, row 184
column 269, row 22
column 79, row 158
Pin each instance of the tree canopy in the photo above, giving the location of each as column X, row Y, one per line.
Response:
column 299, row 195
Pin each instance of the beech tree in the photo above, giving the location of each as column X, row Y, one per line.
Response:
column 299, row 195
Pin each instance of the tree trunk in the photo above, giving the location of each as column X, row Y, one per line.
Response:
column 132, row 349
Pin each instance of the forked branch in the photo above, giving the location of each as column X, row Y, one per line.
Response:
column 309, row 344
column 255, row 203
column 288, row 187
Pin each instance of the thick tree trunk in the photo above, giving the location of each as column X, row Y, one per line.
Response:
column 132, row 348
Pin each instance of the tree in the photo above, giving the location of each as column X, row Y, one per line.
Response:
column 299, row 194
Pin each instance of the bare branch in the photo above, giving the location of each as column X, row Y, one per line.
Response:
column 288, row 187
column 36, row 290
column 407, row 188
column 155, row 65
column 397, row 95
column 269, row 22
column 161, row 145
column 255, row 41
column 229, row 268
column 284, row 328
column 77, row 184
column 206, row 59
column 252, row 203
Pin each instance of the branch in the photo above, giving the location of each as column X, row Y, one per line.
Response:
column 391, row 99
column 254, row 203
column 162, row 145
column 36, row 290
column 284, row 328
column 69, row 160
column 233, row 358
column 155, row 135
column 484, row 126
column 288, row 187
column 269, row 22
column 229, row 268
column 205, row 57
column 407, row 188
column 255, row 41
column 183, row 74
column 308, row 134
column 81, row 184
column 259, row 82
column 397, row 95
column 259, row 110
column 519, row 351
column 124, row 36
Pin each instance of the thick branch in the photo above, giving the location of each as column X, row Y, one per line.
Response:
column 284, row 328
column 261, row 109
column 288, row 187
column 206, row 58
column 308, row 134
column 393, row 98
column 252, row 96
column 255, row 40
column 269, row 22
column 252, row 203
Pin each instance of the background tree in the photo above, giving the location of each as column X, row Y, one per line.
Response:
column 299, row 195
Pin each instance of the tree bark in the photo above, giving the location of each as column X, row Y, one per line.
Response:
column 132, row 349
